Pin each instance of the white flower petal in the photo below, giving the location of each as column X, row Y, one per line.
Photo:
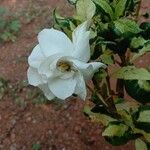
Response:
column 47, row 92
column 48, row 66
column 33, row 77
column 88, row 69
column 36, row 57
column 81, row 42
column 85, row 68
column 80, row 89
column 62, row 88
column 53, row 41
column 97, row 65
column 67, row 75
column 45, row 67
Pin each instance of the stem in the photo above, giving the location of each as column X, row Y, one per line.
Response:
column 108, row 99
column 97, row 92
column 108, row 83
column 124, row 60
column 128, row 54
column 120, row 82
column 111, row 106
column 120, row 88
column 138, row 11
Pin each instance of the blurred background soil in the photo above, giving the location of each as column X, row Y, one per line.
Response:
column 24, row 124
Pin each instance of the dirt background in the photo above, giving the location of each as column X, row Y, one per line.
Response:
column 53, row 126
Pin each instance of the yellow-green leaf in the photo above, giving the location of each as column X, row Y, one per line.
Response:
column 120, row 8
column 132, row 73
column 141, row 52
column 85, row 9
column 98, row 117
column 140, row 145
column 105, row 7
column 127, row 25
column 144, row 116
column 115, row 130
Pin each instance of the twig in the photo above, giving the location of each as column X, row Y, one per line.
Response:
column 98, row 95
column 138, row 11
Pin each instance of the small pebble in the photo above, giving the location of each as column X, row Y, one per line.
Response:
column 13, row 137
column 13, row 147
column 28, row 119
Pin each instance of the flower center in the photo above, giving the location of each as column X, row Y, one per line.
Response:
column 64, row 66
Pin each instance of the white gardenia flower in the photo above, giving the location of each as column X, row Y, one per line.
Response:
column 58, row 66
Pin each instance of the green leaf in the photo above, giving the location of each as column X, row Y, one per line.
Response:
column 140, row 145
column 127, row 25
column 144, row 116
column 138, row 89
column 5, row 36
column 40, row 100
column 2, row 23
column 36, row 147
column 98, row 117
column 20, row 102
column 15, row 25
column 141, row 52
column 131, row 73
column 107, row 59
column 141, row 118
column 137, row 42
column 120, row 8
column 126, row 117
column 115, row 130
column 145, row 85
column 2, row 11
column 105, row 7
column 85, row 9
column 72, row 1
column 117, row 133
column 139, row 131
column 145, row 26
column 61, row 21
column 64, row 24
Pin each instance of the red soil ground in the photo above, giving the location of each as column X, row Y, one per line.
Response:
column 53, row 126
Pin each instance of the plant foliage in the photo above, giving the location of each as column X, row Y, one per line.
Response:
column 116, row 33
column 9, row 26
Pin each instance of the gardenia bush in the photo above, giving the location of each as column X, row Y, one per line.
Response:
column 102, row 33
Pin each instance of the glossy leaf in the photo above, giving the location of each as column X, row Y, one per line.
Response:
column 140, row 145
column 141, row 52
column 98, row 117
column 127, row 25
column 85, row 9
column 105, row 7
column 138, row 89
column 115, row 130
column 120, row 8
column 117, row 133
column 107, row 59
column 141, row 119
column 144, row 116
column 131, row 73
column 137, row 42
